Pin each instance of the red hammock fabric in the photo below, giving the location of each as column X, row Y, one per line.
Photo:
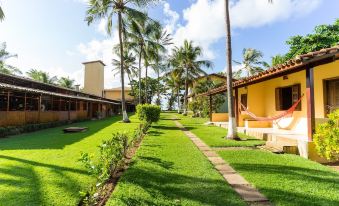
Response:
column 279, row 116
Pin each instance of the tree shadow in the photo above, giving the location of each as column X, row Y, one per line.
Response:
column 28, row 181
column 54, row 138
column 158, row 161
column 171, row 187
column 302, row 186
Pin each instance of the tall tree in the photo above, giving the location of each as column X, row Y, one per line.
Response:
column 138, row 35
column 41, row 76
column 189, row 55
column 252, row 62
column 99, row 9
column 161, row 39
column 4, row 55
column 66, row 82
column 129, row 66
column 277, row 59
column 232, row 125
column 2, row 15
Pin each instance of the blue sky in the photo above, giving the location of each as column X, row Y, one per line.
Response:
column 53, row 36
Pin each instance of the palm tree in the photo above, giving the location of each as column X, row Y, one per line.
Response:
column 4, row 55
column 277, row 59
column 129, row 67
column 2, row 15
column 173, row 81
column 161, row 39
column 251, row 62
column 41, row 76
column 232, row 126
column 138, row 33
column 188, row 55
column 99, row 9
column 66, row 82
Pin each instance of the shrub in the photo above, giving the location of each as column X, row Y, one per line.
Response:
column 149, row 113
column 326, row 138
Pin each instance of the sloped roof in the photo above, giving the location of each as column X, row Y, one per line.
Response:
column 38, row 91
column 289, row 66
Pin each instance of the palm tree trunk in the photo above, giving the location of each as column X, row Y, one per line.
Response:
column 232, row 127
column 146, row 96
column 140, row 76
column 123, row 101
column 178, row 97
column 186, row 91
column 158, row 88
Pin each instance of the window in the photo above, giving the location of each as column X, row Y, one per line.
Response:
column 285, row 97
column 243, row 100
column 72, row 105
column 32, row 102
column 63, row 105
column 56, row 104
column 84, row 106
column 16, row 101
column 46, row 103
column 3, row 100
column 331, row 95
column 78, row 105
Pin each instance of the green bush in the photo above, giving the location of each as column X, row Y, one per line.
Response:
column 149, row 113
column 326, row 138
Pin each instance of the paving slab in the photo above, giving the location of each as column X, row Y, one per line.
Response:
column 210, row 154
column 225, row 169
column 205, row 148
column 249, row 194
column 216, row 160
column 235, row 179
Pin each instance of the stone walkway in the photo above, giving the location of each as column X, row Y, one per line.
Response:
column 251, row 195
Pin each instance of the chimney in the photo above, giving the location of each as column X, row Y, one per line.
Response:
column 94, row 77
column 77, row 87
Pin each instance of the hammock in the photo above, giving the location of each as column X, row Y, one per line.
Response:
column 279, row 116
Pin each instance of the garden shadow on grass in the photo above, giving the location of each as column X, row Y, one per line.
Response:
column 158, row 161
column 176, row 187
column 23, row 176
column 54, row 138
column 301, row 177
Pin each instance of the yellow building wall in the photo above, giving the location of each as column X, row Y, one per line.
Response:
column 261, row 102
column 116, row 95
column 321, row 73
column 94, row 78
column 219, row 117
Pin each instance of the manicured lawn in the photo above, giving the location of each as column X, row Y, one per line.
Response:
column 41, row 168
column 286, row 179
column 215, row 136
column 169, row 170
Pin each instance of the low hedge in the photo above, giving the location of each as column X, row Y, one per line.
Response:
column 149, row 113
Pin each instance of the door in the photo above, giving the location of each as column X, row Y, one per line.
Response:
column 332, row 96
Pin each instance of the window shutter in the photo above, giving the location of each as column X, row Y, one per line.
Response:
column 277, row 99
column 296, row 95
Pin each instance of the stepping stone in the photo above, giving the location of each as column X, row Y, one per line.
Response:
column 216, row 160
column 235, row 179
column 200, row 144
column 210, row 154
column 205, row 148
column 225, row 169
column 249, row 194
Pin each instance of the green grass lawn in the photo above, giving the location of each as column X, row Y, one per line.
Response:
column 41, row 168
column 215, row 136
column 169, row 170
column 286, row 179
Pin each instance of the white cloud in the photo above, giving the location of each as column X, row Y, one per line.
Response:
column 204, row 19
column 172, row 18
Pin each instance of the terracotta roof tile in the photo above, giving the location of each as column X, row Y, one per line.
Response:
column 299, row 61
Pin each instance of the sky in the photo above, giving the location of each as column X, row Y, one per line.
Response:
column 51, row 35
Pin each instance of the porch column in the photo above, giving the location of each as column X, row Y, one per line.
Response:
column 39, row 108
column 310, row 102
column 210, row 108
column 236, row 103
